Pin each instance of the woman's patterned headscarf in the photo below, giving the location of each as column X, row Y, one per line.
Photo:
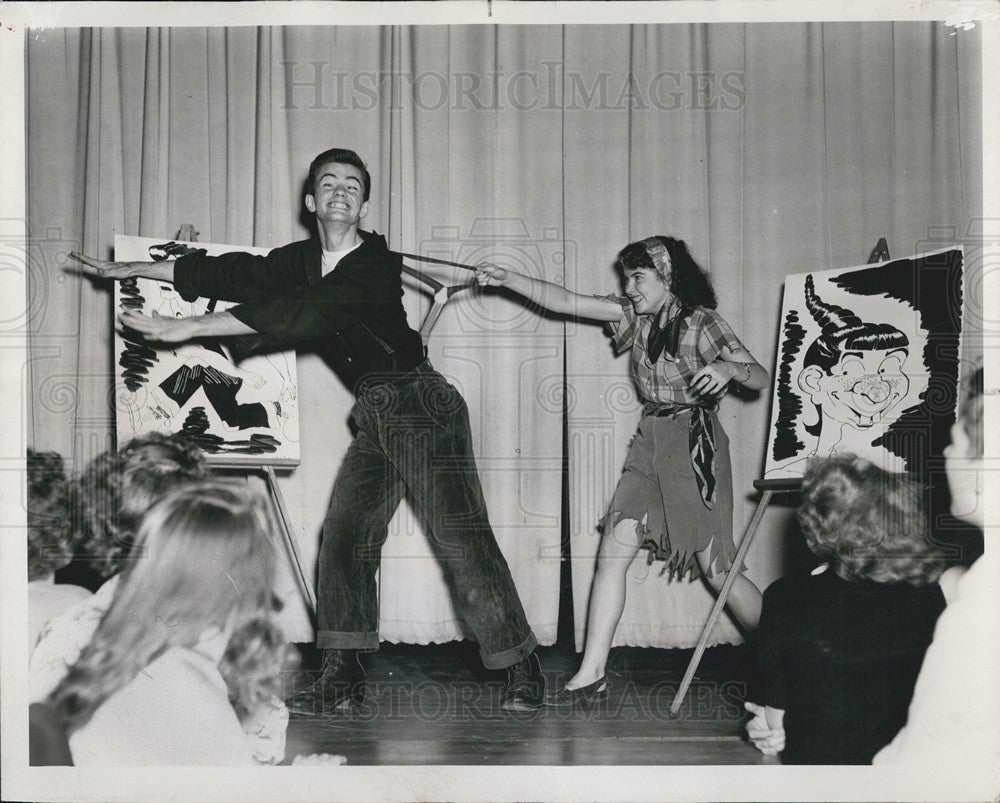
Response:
column 659, row 255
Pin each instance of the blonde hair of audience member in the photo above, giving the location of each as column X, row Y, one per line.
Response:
column 869, row 524
column 252, row 665
column 207, row 564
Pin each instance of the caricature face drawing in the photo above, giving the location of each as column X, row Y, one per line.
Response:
column 868, row 364
column 860, row 390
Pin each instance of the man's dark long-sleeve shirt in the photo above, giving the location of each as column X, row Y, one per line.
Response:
column 354, row 314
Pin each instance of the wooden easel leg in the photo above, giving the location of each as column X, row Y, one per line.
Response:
column 720, row 601
column 291, row 546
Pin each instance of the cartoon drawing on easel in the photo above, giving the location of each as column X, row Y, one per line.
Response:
column 236, row 409
column 859, row 351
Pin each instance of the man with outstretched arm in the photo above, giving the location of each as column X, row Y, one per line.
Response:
column 342, row 290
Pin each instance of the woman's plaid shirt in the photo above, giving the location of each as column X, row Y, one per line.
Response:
column 666, row 382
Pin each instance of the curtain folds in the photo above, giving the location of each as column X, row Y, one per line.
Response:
column 769, row 148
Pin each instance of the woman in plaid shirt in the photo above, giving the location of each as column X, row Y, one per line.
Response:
column 675, row 494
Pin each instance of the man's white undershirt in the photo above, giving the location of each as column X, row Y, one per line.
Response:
column 332, row 258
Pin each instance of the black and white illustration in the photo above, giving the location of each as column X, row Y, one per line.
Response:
column 868, row 364
column 234, row 410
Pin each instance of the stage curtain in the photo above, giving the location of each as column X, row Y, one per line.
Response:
column 770, row 149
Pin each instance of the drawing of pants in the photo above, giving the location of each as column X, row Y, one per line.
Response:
column 415, row 438
column 221, row 390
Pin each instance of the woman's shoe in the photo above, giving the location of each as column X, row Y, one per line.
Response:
column 597, row 690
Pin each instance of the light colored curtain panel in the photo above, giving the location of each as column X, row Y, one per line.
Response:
column 770, row 149
column 473, row 183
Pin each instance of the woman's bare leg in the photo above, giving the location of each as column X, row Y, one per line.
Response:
column 607, row 600
column 744, row 600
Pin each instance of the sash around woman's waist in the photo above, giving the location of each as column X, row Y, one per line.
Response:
column 701, row 441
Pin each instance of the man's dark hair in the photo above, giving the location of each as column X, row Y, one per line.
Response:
column 340, row 156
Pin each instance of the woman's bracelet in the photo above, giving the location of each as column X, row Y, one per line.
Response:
column 745, row 379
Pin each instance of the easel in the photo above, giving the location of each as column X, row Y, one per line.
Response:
column 767, row 489
column 186, row 233
column 266, row 470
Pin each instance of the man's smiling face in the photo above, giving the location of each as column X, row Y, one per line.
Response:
column 338, row 195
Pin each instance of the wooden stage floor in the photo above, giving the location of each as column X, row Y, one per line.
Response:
column 437, row 705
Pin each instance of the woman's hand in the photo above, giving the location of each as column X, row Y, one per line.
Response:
column 159, row 328
column 770, row 741
column 713, row 378
column 102, row 268
column 318, row 759
column 488, row 274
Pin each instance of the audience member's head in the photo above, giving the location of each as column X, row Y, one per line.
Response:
column 964, row 455
column 50, row 545
column 117, row 487
column 206, row 570
column 869, row 524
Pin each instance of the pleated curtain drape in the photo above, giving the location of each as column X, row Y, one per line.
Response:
column 770, row 149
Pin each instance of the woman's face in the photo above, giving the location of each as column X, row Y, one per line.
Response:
column 646, row 290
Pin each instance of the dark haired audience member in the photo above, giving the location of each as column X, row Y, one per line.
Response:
column 112, row 492
column 840, row 648
column 50, row 543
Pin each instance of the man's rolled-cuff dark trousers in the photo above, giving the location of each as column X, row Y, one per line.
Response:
column 414, row 439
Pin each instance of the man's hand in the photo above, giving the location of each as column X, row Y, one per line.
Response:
column 161, row 271
column 488, row 274
column 102, row 268
column 770, row 741
column 161, row 329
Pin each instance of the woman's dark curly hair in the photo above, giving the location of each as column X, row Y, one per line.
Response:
column 117, row 487
column 50, row 542
column 688, row 282
column 870, row 523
